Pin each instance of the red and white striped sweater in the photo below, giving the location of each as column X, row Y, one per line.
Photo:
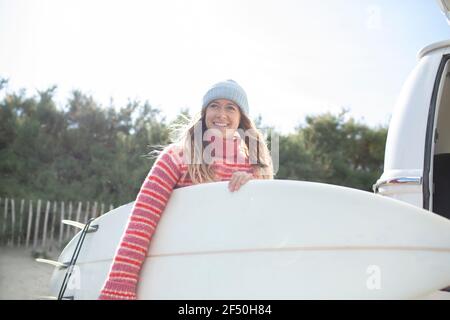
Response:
column 168, row 172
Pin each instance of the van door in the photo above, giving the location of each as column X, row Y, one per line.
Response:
column 436, row 182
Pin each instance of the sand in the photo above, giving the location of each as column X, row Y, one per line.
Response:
column 21, row 277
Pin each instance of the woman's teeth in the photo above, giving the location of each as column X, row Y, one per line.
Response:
column 220, row 124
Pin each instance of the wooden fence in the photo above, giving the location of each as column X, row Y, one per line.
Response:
column 37, row 224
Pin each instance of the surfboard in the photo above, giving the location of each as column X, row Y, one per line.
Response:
column 273, row 239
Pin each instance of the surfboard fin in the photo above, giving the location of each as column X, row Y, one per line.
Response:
column 47, row 298
column 80, row 225
column 54, row 298
column 54, row 263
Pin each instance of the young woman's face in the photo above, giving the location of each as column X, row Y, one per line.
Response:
column 224, row 115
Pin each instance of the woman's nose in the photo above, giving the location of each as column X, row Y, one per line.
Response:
column 221, row 112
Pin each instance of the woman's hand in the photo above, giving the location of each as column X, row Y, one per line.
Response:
column 238, row 179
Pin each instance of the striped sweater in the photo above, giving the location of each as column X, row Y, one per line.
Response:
column 168, row 172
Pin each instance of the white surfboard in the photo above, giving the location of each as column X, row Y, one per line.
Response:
column 274, row 239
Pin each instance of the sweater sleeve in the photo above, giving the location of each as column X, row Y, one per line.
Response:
column 151, row 200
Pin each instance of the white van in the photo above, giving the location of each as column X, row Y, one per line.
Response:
column 417, row 157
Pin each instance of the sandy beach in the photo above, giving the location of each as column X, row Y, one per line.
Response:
column 21, row 277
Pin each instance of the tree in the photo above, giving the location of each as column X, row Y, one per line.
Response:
column 349, row 153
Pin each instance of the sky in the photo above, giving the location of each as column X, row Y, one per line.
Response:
column 293, row 57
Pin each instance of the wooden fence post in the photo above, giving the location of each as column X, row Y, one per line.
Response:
column 36, row 226
column 52, row 230
column 30, row 220
column 44, row 233
column 20, row 236
column 5, row 221
column 78, row 219
column 69, row 230
column 61, row 230
column 86, row 212
column 94, row 211
column 13, row 222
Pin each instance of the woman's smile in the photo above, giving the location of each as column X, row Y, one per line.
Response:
column 220, row 124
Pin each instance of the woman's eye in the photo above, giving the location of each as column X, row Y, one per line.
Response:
column 231, row 108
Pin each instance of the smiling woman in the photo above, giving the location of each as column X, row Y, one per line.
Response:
column 220, row 144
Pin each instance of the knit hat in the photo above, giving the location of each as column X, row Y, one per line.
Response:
column 230, row 90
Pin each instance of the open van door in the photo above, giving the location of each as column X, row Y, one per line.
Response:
column 436, row 183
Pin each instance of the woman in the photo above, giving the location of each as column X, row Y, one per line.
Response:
column 220, row 144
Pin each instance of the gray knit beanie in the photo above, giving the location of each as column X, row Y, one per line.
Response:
column 230, row 90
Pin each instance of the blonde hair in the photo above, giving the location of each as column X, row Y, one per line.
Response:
column 182, row 135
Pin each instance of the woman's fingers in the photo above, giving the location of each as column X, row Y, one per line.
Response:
column 238, row 179
column 238, row 182
column 243, row 180
column 232, row 182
